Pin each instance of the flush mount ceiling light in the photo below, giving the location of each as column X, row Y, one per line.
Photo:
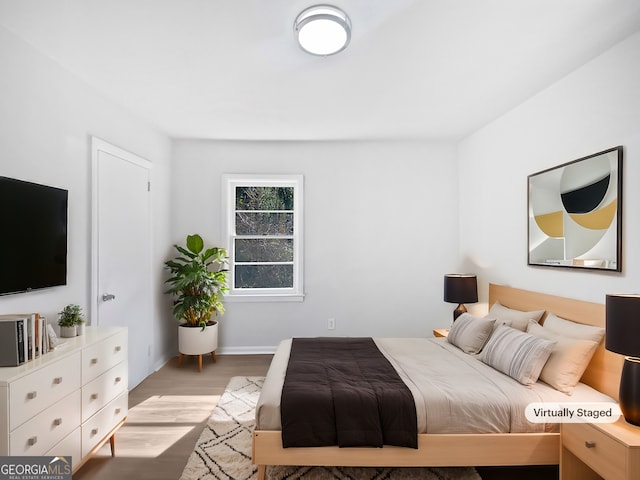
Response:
column 323, row 30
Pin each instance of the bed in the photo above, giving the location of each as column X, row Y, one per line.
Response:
column 459, row 449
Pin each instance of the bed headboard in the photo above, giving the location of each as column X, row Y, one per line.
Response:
column 603, row 373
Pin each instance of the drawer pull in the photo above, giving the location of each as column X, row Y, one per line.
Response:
column 118, row 379
column 32, row 395
column 118, row 348
column 94, row 396
column 57, row 422
column 57, row 380
column 94, row 361
column 590, row 444
column 118, row 410
column 94, row 431
column 32, row 441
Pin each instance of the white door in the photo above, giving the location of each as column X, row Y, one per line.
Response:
column 121, row 283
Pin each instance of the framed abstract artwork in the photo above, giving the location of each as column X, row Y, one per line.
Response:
column 575, row 213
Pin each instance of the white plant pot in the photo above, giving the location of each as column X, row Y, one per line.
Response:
column 80, row 329
column 68, row 332
column 195, row 341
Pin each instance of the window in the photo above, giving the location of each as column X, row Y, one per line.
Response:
column 263, row 223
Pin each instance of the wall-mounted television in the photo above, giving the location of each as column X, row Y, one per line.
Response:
column 33, row 236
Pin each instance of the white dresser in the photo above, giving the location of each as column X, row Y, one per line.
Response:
column 69, row 401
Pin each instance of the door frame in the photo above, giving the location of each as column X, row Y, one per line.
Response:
column 98, row 145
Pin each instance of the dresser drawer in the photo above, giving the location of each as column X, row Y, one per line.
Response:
column 98, row 426
column 69, row 446
column 100, row 391
column 42, row 388
column 47, row 428
column 599, row 451
column 102, row 356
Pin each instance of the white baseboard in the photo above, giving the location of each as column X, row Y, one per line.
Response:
column 256, row 350
column 161, row 363
column 259, row 350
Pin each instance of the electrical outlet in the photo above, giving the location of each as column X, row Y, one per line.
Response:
column 331, row 324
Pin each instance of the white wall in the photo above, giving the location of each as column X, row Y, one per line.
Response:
column 594, row 108
column 380, row 233
column 46, row 119
column 382, row 222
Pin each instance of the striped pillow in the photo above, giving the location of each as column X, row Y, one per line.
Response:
column 470, row 333
column 517, row 354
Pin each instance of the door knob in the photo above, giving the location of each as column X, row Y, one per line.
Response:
column 107, row 297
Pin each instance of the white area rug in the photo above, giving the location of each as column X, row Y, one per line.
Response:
column 223, row 451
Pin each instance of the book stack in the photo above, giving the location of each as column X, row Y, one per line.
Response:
column 23, row 337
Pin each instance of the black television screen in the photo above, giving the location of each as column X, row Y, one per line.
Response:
column 33, row 242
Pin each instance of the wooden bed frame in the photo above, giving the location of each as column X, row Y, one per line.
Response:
column 486, row 449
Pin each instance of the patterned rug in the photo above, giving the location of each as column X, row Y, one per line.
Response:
column 223, row 451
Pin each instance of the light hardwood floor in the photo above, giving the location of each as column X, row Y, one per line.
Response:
column 169, row 409
column 167, row 412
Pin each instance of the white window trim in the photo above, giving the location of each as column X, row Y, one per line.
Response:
column 229, row 183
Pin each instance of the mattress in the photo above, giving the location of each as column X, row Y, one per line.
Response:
column 454, row 392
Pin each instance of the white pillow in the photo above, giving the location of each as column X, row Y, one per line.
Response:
column 506, row 323
column 571, row 329
column 568, row 360
column 470, row 333
column 517, row 354
column 519, row 319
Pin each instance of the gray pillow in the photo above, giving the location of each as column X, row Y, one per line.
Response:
column 517, row 354
column 470, row 333
column 571, row 329
column 568, row 360
column 519, row 319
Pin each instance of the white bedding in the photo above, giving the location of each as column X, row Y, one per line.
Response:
column 454, row 391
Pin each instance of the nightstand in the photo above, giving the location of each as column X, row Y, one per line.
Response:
column 440, row 332
column 600, row 450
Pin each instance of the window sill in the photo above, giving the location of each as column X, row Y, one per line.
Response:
column 264, row 298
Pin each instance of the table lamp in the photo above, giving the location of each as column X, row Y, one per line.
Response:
column 460, row 288
column 623, row 336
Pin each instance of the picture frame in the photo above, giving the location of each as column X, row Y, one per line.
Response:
column 574, row 213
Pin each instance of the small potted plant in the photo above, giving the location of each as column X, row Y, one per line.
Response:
column 70, row 320
column 198, row 281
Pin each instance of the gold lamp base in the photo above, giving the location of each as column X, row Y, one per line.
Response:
column 460, row 309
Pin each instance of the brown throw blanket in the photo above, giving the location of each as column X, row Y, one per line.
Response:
column 343, row 391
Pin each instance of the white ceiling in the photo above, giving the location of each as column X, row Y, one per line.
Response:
column 230, row 69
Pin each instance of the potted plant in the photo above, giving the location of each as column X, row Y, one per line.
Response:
column 69, row 319
column 198, row 280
